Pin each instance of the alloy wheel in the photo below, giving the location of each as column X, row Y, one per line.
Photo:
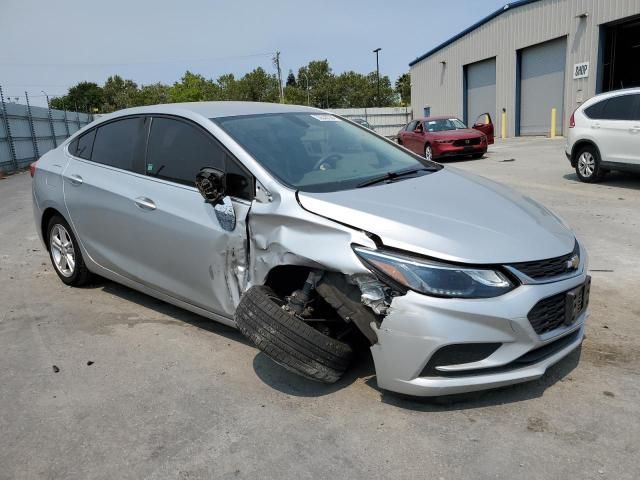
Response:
column 586, row 164
column 62, row 250
column 428, row 154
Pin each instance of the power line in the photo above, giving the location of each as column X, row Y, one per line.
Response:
column 158, row 62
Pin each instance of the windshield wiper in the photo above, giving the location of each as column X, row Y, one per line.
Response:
column 391, row 176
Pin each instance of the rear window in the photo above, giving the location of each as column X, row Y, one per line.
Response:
column 82, row 146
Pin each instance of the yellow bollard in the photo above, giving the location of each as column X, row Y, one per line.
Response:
column 554, row 112
column 503, row 126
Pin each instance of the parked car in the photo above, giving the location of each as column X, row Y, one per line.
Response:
column 447, row 136
column 308, row 233
column 363, row 122
column 604, row 135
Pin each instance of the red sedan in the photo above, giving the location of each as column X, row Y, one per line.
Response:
column 446, row 136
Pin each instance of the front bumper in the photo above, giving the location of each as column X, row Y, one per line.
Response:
column 419, row 325
column 441, row 150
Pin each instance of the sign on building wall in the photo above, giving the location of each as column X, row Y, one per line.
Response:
column 581, row 70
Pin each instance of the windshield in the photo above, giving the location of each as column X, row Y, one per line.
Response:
column 319, row 152
column 442, row 124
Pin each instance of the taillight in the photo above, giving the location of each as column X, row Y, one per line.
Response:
column 572, row 120
column 32, row 169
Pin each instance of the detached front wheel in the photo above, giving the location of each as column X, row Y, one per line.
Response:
column 288, row 340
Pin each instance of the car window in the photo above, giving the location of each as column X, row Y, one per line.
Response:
column 442, row 124
column 81, row 146
column 618, row 108
column 177, row 150
column 594, row 112
column 412, row 126
column 120, row 144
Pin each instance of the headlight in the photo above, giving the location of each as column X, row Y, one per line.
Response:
column 436, row 278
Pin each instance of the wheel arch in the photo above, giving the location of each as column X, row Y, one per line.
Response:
column 581, row 144
column 47, row 215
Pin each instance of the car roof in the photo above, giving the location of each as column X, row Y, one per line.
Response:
column 436, row 117
column 217, row 109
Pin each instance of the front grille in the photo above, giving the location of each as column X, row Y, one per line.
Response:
column 548, row 314
column 466, row 142
column 549, row 268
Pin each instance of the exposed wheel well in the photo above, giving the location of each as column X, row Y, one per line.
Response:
column 46, row 217
column 284, row 279
column 578, row 146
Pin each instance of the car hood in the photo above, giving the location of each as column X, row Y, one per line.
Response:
column 451, row 215
column 457, row 134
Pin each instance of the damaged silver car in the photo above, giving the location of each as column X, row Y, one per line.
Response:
column 310, row 234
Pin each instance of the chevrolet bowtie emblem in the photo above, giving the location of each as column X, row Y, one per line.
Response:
column 573, row 263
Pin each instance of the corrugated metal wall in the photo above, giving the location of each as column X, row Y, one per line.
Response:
column 30, row 132
column 441, row 85
column 386, row 121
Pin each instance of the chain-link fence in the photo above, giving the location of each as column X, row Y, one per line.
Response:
column 27, row 132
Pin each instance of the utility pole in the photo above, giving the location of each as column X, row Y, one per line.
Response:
column 376, row 51
column 276, row 61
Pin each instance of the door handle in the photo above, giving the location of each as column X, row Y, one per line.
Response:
column 76, row 179
column 595, row 126
column 145, row 203
column 635, row 129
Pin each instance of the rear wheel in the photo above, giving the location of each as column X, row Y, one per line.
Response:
column 65, row 253
column 588, row 166
column 288, row 340
column 428, row 152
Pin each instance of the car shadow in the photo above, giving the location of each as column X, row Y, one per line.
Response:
column 171, row 311
column 281, row 379
column 627, row 180
column 499, row 396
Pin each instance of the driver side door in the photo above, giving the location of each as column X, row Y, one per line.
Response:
column 183, row 249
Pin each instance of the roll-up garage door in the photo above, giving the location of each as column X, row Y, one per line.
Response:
column 542, row 86
column 481, row 89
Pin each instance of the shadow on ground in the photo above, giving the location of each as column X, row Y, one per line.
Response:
column 281, row 379
column 614, row 179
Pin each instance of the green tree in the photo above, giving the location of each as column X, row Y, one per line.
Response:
column 259, row 86
column 403, row 88
column 291, row 79
column 321, row 82
column 228, row 87
column 82, row 97
column 388, row 97
column 119, row 93
column 153, row 94
column 194, row 88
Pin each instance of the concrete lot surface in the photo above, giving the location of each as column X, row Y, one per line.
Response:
column 172, row 395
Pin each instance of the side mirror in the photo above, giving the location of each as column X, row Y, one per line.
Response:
column 211, row 184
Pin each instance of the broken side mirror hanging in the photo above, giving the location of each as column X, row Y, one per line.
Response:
column 211, row 184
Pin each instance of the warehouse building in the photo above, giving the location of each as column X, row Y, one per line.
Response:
column 530, row 60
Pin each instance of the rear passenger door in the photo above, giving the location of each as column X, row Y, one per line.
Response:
column 101, row 180
column 181, row 248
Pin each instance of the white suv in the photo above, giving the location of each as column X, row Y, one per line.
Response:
column 604, row 135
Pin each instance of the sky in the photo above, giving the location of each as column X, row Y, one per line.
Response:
column 51, row 45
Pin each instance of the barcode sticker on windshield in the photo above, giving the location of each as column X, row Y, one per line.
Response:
column 326, row 118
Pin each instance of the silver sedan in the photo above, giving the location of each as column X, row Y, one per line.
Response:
column 311, row 233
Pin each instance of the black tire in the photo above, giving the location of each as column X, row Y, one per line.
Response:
column 476, row 156
column 289, row 341
column 80, row 275
column 588, row 165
